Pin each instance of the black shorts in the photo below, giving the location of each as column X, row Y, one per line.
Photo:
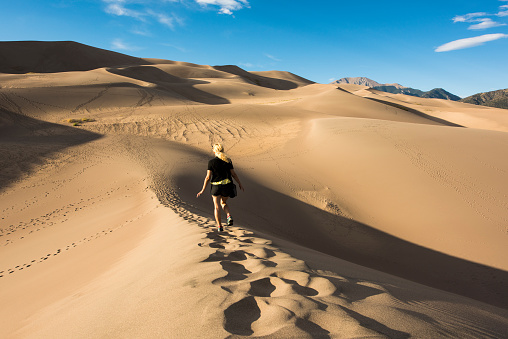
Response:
column 228, row 190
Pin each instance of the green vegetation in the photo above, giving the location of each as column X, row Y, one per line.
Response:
column 77, row 122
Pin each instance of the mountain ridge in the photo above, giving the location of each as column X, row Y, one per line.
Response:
column 436, row 93
column 498, row 98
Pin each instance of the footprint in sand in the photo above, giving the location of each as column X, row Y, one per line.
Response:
column 305, row 284
column 267, row 300
column 220, row 255
column 255, row 316
column 256, row 265
column 262, row 252
column 236, row 272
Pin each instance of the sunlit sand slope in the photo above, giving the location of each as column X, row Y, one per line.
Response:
column 454, row 112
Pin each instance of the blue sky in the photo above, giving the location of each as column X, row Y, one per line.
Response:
column 461, row 46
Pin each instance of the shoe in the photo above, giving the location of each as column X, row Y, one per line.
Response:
column 221, row 229
column 230, row 221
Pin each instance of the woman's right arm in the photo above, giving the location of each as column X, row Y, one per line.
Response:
column 207, row 179
column 235, row 176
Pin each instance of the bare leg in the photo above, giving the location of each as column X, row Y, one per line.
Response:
column 216, row 211
column 224, row 205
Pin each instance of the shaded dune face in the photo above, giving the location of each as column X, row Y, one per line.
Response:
column 63, row 56
column 25, row 143
column 327, row 229
column 168, row 84
column 348, row 190
column 265, row 81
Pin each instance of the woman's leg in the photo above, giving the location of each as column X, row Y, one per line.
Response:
column 224, row 205
column 216, row 211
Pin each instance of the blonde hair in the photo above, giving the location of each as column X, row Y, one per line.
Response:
column 218, row 149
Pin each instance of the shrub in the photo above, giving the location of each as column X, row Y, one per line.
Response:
column 77, row 121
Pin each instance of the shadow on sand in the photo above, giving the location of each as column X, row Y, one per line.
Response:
column 170, row 84
column 259, row 80
column 271, row 212
column 416, row 112
column 26, row 142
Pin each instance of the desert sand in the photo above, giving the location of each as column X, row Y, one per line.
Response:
column 365, row 214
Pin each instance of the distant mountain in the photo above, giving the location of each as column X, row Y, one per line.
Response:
column 399, row 90
column 58, row 56
column 497, row 99
column 357, row 81
column 441, row 94
column 436, row 93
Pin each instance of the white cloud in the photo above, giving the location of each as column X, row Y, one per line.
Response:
column 246, row 64
column 120, row 44
column 480, row 21
column 468, row 17
column 272, row 57
column 141, row 31
column 473, row 17
column 252, row 66
column 503, row 10
column 485, row 23
column 503, row 13
column 181, row 49
column 469, row 42
column 116, row 7
column 166, row 20
column 226, row 6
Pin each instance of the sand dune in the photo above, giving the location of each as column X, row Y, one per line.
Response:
column 58, row 56
column 453, row 112
column 366, row 214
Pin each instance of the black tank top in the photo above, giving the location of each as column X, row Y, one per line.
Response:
column 220, row 169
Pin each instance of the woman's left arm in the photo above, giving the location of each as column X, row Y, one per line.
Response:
column 207, row 179
column 235, row 176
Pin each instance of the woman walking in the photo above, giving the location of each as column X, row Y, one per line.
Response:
column 220, row 173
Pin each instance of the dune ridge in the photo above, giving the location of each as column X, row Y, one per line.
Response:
column 58, row 56
column 365, row 213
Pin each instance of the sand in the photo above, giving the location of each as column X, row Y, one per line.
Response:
column 365, row 214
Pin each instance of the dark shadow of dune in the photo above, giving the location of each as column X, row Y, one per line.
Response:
column 364, row 245
column 238, row 318
column 150, row 74
column 314, row 329
column 169, row 83
column 345, row 90
column 375, row 325
column 271, row 212
column 262, row 288
column 414, row 111
column 58, row 56
column 26, row 142
column 259, row 80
